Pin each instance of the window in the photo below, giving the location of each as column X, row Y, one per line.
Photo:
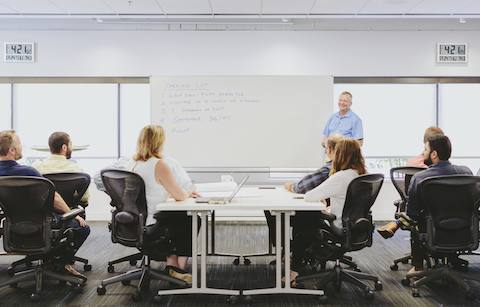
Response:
column 88, row 112
column 134, row 115
column 459, row 112
column 458, row 117
column 394, row 119
column 5, row 107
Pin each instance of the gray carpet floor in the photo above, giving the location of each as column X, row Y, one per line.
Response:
column 239, row 238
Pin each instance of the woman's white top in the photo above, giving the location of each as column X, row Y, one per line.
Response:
column 154, row 191
column 335, row 188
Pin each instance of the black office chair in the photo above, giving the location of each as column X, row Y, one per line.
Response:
column 72, row 187
column 27, row 203
column 401, row 177
column 127, row 191
column 333, row 242
column 450, row 227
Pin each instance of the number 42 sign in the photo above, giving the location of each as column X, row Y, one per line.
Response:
column 19, row 52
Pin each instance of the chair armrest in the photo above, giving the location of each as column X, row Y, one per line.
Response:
column 72, row 214
column 406, row 222
column 327, row 216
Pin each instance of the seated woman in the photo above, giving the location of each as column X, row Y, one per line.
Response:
column 348, row 164
column 165, row 178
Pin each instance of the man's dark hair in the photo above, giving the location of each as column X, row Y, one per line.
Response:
column 441, row 144
column 57, row 140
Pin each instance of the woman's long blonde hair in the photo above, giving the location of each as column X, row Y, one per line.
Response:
column 150, row 143
column 348, row 155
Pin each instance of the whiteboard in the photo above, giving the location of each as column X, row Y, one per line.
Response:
column 243, row 121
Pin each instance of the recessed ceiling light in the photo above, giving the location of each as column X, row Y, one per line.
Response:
column 285, row 20
column 462, row 20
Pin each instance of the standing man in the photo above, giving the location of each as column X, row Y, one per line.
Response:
column 345, row 122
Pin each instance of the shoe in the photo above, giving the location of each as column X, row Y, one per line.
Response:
column 388, row 230
column 293, row 279
column 179, row 274
column 71, row 270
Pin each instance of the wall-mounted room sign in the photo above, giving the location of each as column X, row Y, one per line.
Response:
column 452, row 53
column 19, row 52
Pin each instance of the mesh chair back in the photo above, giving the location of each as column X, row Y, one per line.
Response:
column 401, row 177
column 356, row 216
column 451, row 209
column 27, row 203
column 71, row 186
column 127, row 191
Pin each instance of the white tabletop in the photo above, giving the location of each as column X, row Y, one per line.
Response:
column 47, row 149
column 257, row 199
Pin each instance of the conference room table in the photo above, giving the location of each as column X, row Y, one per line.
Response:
column 280, row 203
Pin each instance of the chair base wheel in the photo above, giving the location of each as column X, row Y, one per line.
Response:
column 87, row 267
column 247, row 299
column 101, row 290
column 369, row 294
column 133, row 262
column 378, row 286
column 236, row 261
column 394, row 267
column 35, row 297
column 232, row 300
column 246, row 261
column 415, row 293
column 10, row 271
column 110, row 269
column 137, row 297
column 406, row 282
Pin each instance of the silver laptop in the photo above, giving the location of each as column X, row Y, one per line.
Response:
column 222, row 200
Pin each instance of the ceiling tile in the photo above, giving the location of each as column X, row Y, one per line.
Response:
column 33, row 6
column 287, row 6
column 389, row 6
column 185, row 6
column 134, row 6
column 237, row 6
column 337, row 6
column 447, row 7
column 83, row 6
column 5, row 9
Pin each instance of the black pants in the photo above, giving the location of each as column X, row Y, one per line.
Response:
column 80, row 234
column 306, row 225
column 179, row 227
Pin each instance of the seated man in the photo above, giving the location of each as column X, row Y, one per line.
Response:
column 311, row 181
column 436, row 154
column 59, row 161
column 10, row 151
column 389, row 229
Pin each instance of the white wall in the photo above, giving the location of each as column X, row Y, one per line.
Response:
column 354, row 53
